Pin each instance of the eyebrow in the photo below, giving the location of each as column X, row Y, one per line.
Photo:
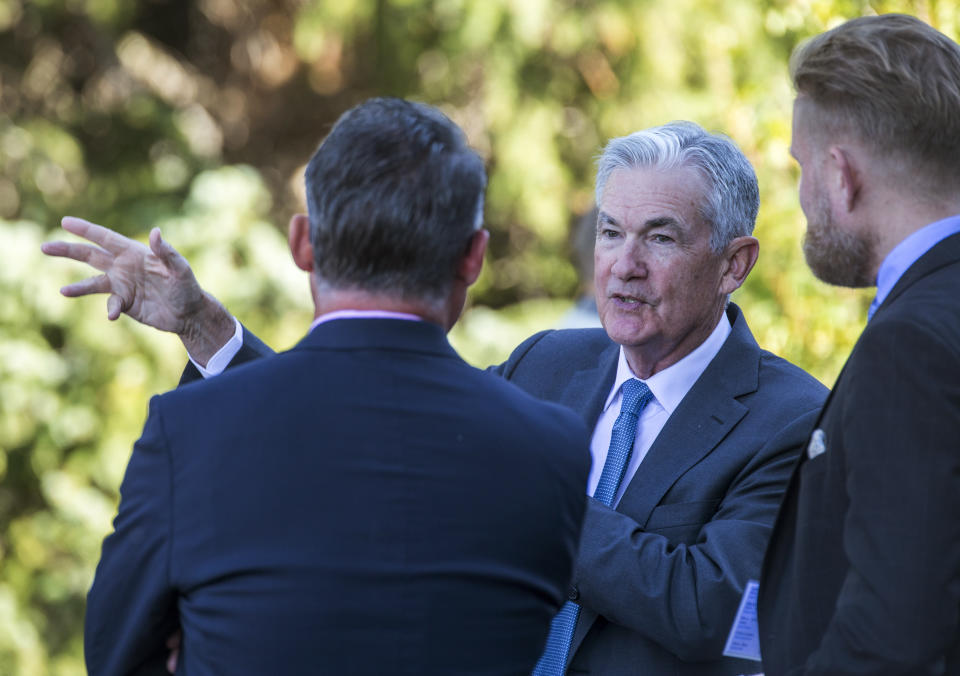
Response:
column 603, row 218
column 655, row 222
column 662, row 222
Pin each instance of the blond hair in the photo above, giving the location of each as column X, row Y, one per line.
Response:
column 891, row 80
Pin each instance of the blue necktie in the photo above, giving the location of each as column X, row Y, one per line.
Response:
column 636, row 395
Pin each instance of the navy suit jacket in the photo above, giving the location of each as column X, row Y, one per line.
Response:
column 660, row 577
column 863, row 571
column 365, row 503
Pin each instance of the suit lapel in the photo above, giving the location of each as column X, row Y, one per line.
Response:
column 704, row 417
column 587, row 390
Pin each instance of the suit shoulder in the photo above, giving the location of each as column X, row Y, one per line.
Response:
column 497, row 399
column 511, row 396
column 556, row 348
column 236, row 383
column 916, row 337
column 789, row 383
column 928, row 307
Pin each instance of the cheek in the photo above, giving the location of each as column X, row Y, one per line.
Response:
column 601, row 268
column 806, row 191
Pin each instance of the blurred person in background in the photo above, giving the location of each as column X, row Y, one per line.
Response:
column 583, row 314
column 695, row 427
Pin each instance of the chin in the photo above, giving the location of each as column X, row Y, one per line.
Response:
column 623, row 330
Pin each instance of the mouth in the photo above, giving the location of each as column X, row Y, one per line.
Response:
column 628, row 301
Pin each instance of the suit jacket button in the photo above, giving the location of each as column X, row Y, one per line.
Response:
column 573, row 593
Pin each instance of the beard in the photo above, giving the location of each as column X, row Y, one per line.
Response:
column 837, row 256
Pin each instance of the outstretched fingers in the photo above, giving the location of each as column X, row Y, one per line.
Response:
column 85, row 253
column 115, row 306
column 112, row 241
column 85, row 287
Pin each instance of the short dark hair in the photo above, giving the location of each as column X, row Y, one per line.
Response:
column 891, row 80
column 394, row 195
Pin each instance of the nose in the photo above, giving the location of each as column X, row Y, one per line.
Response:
column 629, row 262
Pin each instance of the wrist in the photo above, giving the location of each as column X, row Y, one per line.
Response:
column 206, row 330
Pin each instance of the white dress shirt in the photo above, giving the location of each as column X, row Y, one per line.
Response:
column 668, row 386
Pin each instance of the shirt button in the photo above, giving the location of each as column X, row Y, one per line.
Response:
column 573, row 593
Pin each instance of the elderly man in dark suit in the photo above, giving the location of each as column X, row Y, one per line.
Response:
column 346, row 507
column 695, row 427
column 863, row 571
column 664, row 559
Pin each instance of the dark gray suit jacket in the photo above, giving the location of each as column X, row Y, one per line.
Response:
column 660, row 577
column 863, row 571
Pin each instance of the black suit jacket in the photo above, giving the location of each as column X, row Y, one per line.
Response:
column 863, row 571
column 660, row 577
column 365, row 503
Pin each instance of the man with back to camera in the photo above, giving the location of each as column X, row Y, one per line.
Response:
column 863, row 571
column 345, row 507
column 687, row 477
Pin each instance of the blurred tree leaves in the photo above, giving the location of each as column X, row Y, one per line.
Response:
column 198, row 115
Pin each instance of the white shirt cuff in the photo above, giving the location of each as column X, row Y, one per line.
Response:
column 224, row 355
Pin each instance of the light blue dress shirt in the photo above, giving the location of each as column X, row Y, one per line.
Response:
column 907, row 252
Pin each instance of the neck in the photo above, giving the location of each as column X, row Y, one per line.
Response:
column 327, row 299
column 895, row 217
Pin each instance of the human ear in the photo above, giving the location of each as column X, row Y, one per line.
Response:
column 472, row 262
column 847, row 180
column 739, row 258
column 300, row 245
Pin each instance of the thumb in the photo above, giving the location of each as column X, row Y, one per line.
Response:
column 114, row 306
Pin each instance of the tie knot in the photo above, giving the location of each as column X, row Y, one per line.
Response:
column 636, row 394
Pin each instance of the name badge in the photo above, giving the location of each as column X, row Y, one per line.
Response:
column 744, row 638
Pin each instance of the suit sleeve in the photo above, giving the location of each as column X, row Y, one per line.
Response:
column 131, row 607
column 897, row 608
column 252, row 348
column 684, row 597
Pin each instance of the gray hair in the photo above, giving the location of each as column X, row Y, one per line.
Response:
column 733, row 197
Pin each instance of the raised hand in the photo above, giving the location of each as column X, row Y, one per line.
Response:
column 154, row 285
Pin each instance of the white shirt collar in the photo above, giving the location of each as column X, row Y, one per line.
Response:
column 671, row 385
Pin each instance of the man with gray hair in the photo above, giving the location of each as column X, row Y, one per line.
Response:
column 863, row 571
column 695, row 427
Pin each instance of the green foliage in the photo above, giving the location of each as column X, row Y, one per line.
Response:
column 198, row 116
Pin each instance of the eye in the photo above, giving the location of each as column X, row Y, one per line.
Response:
column 660, row 238
column 609, row 233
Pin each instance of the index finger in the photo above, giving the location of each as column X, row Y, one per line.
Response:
column 85, row 253
column 112, row 241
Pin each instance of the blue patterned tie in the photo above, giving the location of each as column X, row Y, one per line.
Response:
column 636, row 395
